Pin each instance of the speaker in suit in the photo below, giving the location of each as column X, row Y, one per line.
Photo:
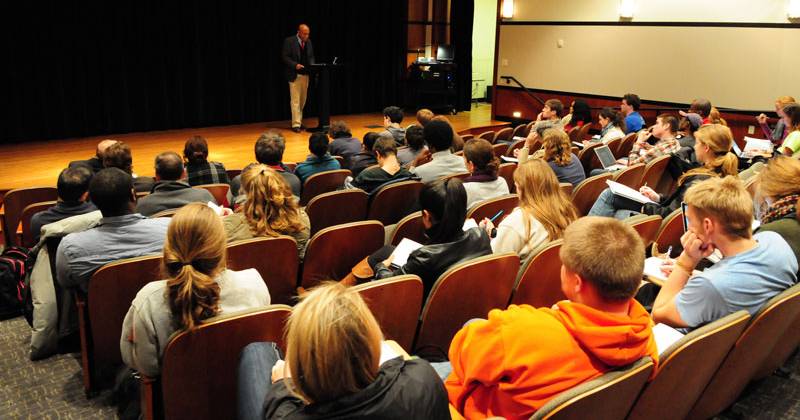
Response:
column 297, row 54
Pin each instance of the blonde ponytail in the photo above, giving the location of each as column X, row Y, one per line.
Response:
column 719, row 139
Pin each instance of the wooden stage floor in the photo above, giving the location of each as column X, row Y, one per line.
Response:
column 38, row 163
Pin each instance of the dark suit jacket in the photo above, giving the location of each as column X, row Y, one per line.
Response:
column 291, row 56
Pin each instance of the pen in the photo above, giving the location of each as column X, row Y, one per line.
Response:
column 496, row 216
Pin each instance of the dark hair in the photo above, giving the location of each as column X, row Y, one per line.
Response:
column 581, row 112
column 438, row 135
column 792, row 111
column 701, row 106
column 385, row 146
column 270, row 147
column 555, row 105
column 318, row 144
column 110, row 190
column 118, row 155
column 632, row 100
column 394, row 113
column 615, row 116
column 446, row 201
column 169, row 166
column 670, row 120
column 73, row 182
column 196, row 150
column 339, row 129
column 369, row 140
column 415, row 137
column 481, row 154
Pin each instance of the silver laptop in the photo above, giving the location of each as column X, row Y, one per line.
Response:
column 607, row 159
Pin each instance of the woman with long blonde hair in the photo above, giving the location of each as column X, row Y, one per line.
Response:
column 543, row 213
column 333, row 368
column 197, row 287
column 269, row 210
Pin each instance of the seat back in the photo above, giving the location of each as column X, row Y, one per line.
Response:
column 500, row 149
column 566, row 187
column 654, row 171
column 646, row 226
column 748, row 354
column 514, row 146
column 670, row 232
column 198, row 376
column 489, row 208
column 585, row 194
column 583, row 133
column 322, row 182
column 333, row 251
column 410, row 227
column 630, row 176
column 464, row 292
column 539, row 281
column 394, row 201
column 460, row 175
column 608, row 397
column 164, row 213
column 506, row 172
column 276, row 261
column 15, row 201
column 686, row 367
column 587, row 154
column 340, row 159
column 518, row 132
column 219, row 191
column 337, row 207
column 625, row 146
column 395, row 302
column 781, row 352
column 488, row 136
column 573, row 133
column 613, row 145
column 504, row 134
column 25, row 219
column 233, row 173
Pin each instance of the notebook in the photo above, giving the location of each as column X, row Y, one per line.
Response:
column 607, row 159
column 665, row 336
column 627, row 192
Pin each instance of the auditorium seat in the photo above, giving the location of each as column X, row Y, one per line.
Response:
column 219, row 191
column 463, row 293
column 516, row 145
column 613, row 145
column 500, row 149
column 410, row 227
column 336, row 207
column 488, row 136
column 486, row 209
column 583, row 133
column 646, row 226
column 566, row 187
column 625, row 146
column 519, row 131
column 586, row 155
column 573, row 134
column 233, row 173
column 276, row 261
column 395, row 302
column 15, row 201
column 460, row 175
column 323, row 182
column 630, row 176
column 25, row 220
column 333, row 251
column 783, row 349
column 340, row 159
column 585, row 194
column 506, row 171
column 466, row 137
column 394, row 201
column 654, row 171
column 504, row 135
column 670, row 232
column 539, row 281
column 609, row 396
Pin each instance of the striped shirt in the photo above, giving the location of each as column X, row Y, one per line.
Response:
column 644, row 152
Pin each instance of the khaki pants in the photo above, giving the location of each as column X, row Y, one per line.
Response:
column 297, row 101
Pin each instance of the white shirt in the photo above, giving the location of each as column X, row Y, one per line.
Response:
column 511, row 235
column 482, row 191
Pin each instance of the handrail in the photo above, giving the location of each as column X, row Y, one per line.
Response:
column 508, row 79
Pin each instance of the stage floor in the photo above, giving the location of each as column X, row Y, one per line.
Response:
column 38, row 163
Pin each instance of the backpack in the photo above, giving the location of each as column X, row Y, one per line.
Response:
column 14, row 264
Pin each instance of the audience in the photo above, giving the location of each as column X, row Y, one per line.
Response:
column 557, row 152
column 95, row 163
column 791, row 119
column 333, row 369
column 392, row 117
column 543, row 213
column 688, row 125
column 579, row 114
column 270, row 209
column 269, row 151
column 516, row 361
column 781, row 130
column 483, row 182
column 199, row 171
column 389, row 170
column 121, row 233
column 343, row 144
column 439, row 138
column 535, row 139
column 197, row 287
column 170, row 190
column 754, row 268
column 424, row 116
column 458, row 142
column 701, row 107
column 630, row 107
column 415, row 138
column 73, row 199
column 319, row 160
column 366, row 158
column 778, row 189
column 612, row 125
column 118, row 155
column 663, row 132
column 714, row 117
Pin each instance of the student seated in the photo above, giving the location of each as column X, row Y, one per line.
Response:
column 95, row 163
column 118, row 155
column 270, row 209
column 612, row 126
column 392, row 117
column 550, row 112
column 712, row 148
column 535, row 140
column 458, row 142
column 415, row 139
column 483, row 182
column 333, row 369
column 543, row 213
column 439, row 138
column 791, row 118
column 777, row 192
column 557, row 152
column 518, row 359
column 424, row 116
column 319, row 160
column 687, row 127
column 630, row 108
column 199, row 171
column 701, row 107
column 197, row 287
column 389, row 170
column 781, row 130
column 754, row 268
column 444, row 208
column 366, row 157
column 269, row 151
column 579, row 114
column 663, row 133
column 73, row 199
column 170, row 190
column 343, row 144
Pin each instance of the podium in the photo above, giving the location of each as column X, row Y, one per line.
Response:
column 323, row 71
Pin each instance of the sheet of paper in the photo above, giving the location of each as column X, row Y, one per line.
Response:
column 757, row 145
column 518, row 138
column 509, row 159
column 387, row 352
column 665, row 336
column 217, row 209
column 403, row 250
column 627, row 192
column 652, row 269
column 469, row 224
column 579, row 144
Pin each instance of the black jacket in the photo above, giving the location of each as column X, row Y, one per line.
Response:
column 403, row 390
column 431, row 261
column 291, row 55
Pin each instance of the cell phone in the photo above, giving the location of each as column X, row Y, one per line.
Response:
column 685, row 218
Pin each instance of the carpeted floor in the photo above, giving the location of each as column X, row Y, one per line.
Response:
column 52, row 388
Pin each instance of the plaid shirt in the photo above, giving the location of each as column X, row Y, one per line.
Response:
column 206, row 173
column 644, row 152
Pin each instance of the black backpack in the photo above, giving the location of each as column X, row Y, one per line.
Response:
column 15, row 262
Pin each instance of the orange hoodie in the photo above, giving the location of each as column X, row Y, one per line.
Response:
column 520, row 358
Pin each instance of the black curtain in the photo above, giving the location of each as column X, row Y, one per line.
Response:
column 90, row 68
column 461, row 17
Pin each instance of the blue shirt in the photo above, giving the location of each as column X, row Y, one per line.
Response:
column 571, row 172
column 633, row 122
column 744, row 281
column 115, row 238
column 314, row 164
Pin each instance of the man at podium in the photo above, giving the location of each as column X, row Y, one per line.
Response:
column 297, row 54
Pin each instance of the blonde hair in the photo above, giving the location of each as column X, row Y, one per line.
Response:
column 615, row 268
column 194, row 254
column 270, row 208
column 779, row 178
column 784, row 100
column 719, row 140
column 726, row 201
column 332, row 344
column 541, row 197
column 715, row 118
column 557, row 147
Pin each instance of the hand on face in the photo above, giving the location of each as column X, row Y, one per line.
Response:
column 695, row 248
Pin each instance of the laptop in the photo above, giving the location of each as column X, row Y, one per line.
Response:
column 607, row 159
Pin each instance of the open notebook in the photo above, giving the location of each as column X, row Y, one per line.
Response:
column 407, row 246
column 627, row 192
column 665, row 336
